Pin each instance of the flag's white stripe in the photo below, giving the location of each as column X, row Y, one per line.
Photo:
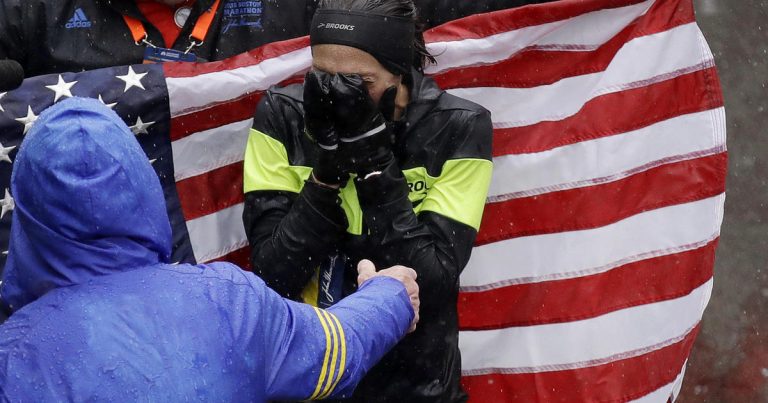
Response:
column 210, row 149
column 640, row 62
column 578, row 253
column 640, row 329
column 663, row 394
column 217, row 234
column 192, row 93
column 564, row 34
column 678, row 384
column 704, row 46
column 591, row 271
column 606, row 159
column 606, row 179
column 624, row 355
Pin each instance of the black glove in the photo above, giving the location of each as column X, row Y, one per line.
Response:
column 364, row 132
column 319, row 126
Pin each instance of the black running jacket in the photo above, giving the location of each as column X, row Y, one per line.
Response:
column 423, row 212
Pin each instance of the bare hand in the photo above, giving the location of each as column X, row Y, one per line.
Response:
column 406, row 275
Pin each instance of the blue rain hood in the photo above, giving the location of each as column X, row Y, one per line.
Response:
column 88, row 203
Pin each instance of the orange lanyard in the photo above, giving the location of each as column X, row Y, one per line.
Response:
column 196, row 38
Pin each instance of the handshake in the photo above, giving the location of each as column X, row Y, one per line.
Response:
column 366, row 270
column 351, row 131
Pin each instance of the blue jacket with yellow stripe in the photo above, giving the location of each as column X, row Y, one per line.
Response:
column 99, row 314
column 423, row 211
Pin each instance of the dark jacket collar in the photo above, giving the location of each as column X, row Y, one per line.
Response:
column 424, row 96
column 423, row 89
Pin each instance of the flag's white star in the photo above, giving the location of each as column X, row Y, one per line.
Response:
column 6, row 254
column 28, row 120
column 110, row 106
column 4, row 151
column 2, row 94
column 152, row 161
column 140, row 127
column 132, row 79
column 61, row 88
column 7, row 203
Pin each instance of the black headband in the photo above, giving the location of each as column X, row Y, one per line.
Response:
column 388, row 39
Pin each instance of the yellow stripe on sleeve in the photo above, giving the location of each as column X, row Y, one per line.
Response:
column 343, row 358
column 323, row 371
column 334, row 356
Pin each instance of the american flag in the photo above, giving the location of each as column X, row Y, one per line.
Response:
column 593, row 264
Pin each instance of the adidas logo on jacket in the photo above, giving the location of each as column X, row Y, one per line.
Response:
column 78, row 20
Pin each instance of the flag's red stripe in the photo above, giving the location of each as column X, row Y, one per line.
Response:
column 531, row 68
column 240, row 257
column 212, row 191
column 483, row 25
column 600, row 205
column 638, row 283
column 254, row 57
column 616, row 113
column 617, row 381
column 214, row 116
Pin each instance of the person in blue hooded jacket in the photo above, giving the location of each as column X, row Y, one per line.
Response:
column 99, row 314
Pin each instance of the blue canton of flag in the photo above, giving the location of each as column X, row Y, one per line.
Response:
column 139, row 96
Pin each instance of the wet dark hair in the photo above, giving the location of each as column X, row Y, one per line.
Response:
column 394, row 8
